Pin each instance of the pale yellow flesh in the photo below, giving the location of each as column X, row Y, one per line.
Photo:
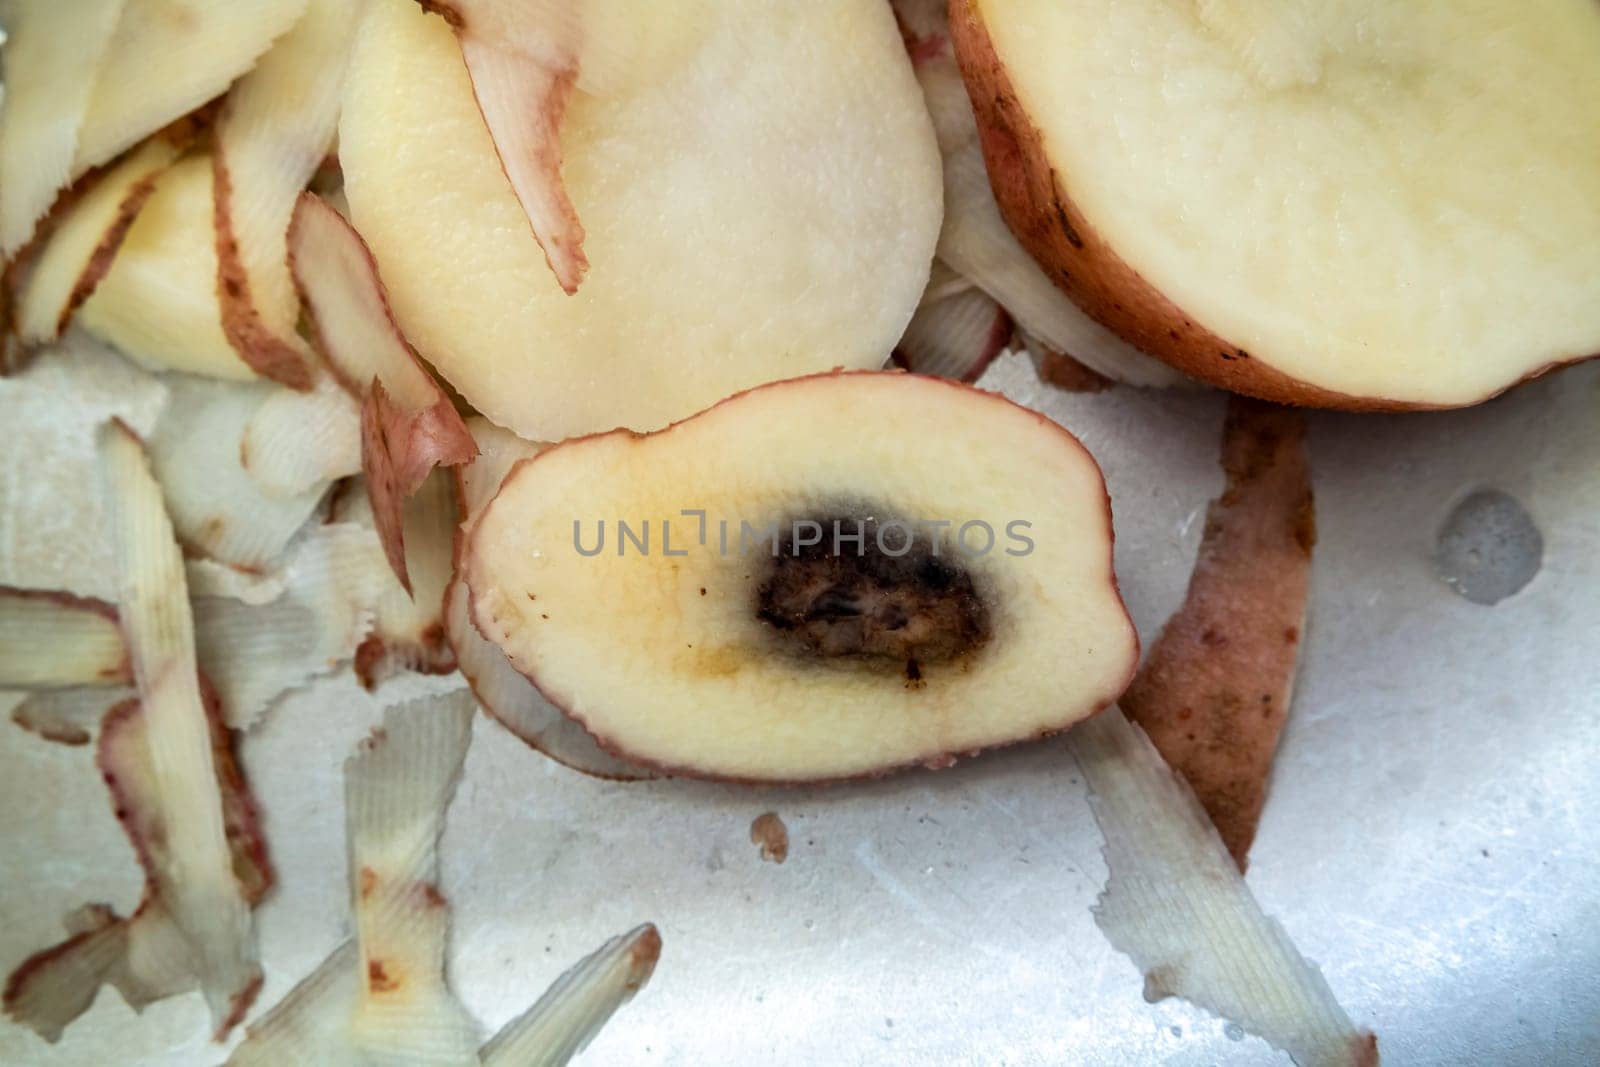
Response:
column 81, row 235
column 50, row 56
column 632, row 648
column 48, row 642
column 1393, row 201
column 168, row 57
column 766, row 208
column 158, row 303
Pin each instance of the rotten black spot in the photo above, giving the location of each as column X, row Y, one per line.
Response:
column 862, row 604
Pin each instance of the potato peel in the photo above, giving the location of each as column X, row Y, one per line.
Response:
column 218, row 509
column 975, row 239
column 311, row 1024
column 1061, row 370
column 408, row 424
column 408, row 629
column 383, row 996
column 298, row 441
column 208, row 578
column 954, row 336
column 505, row 693
column 208, row 900
column 78, row 250
column 51, row 53
column 67, row 716
column 397, row 787
column 257, row 653
column 146, row 956
column 1177, row 906
column 523, row 70
column 276, row 128
column 1213, row 694
column 54, row 640
column 573, row 1010
column 256, row 637
column 166, row 60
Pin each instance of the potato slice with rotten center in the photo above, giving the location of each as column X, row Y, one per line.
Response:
column 728, row 626
column 1363, row 205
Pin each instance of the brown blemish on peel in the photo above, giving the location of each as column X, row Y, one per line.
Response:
column 863, row 605
column 769, row 832
column 379, row 980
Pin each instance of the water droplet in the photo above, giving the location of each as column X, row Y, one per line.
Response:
column 1488, row 548
column 1233, row 1032
column 1177, row 1031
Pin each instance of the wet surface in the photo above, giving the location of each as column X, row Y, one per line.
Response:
column 1488, row 548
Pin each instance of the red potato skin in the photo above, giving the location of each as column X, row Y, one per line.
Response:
column 561, row 244
column 1214, row 693
column 106, row 251
column 264, row 351
column 241, row 820
column 180, row 133
column 932, row 761
column 399, row 446
column 385, row 487
column 1039, row 208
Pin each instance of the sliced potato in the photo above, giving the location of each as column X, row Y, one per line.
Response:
column 510, row 698
column 1361, row 205
column 770, row 644
column 766, row 207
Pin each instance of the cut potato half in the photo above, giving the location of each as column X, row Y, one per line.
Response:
column 727, row 625
column 767, row 207
column 158, row 303
column 974, row 239
column 1360, row 205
